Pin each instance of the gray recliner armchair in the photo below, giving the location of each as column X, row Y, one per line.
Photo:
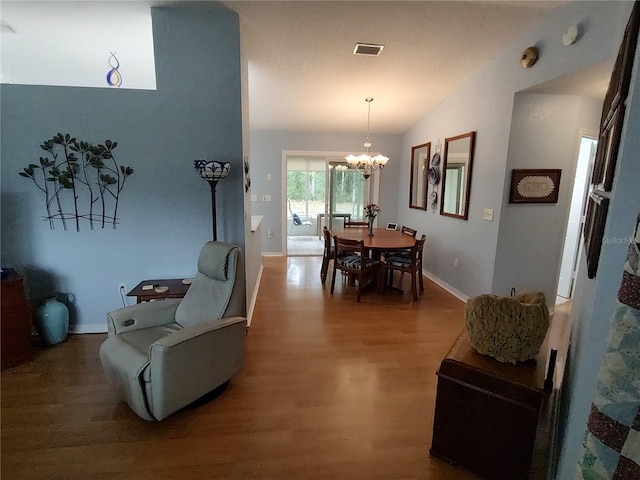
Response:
column 166, row 354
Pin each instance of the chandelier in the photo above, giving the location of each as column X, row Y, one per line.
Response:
column 365, row 163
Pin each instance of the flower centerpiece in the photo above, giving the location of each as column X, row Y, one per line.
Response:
column 371, row 212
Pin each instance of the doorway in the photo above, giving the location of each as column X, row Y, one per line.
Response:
column 319, row 189
column 573, row 237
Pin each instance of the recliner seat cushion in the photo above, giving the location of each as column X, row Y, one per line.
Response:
column 208, row 297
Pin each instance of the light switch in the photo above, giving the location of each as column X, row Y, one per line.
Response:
column 266, row 198
column 254, row 198
column 268, row 176
column 487, row 214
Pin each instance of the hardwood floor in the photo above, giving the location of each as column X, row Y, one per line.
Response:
column 331, row 390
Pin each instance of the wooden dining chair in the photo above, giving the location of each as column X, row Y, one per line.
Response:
column 327, row 255
column 409, row 231
column 350, row 257
column 411, row 264
column 406, row 253
column 351, row 224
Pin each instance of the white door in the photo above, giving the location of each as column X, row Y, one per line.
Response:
column 571, row 251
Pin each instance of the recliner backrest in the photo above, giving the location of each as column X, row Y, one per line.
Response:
column 218, row 288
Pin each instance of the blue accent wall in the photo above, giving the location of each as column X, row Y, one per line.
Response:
column 165, row 208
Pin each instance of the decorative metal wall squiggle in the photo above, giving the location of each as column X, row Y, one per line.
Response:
column 114, row 79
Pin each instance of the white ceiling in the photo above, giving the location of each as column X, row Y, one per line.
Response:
column 304, row 77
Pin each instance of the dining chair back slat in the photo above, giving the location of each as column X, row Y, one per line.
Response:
column 356, row 224
column 409, row 231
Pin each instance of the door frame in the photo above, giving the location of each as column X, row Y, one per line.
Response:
column 327, row 156
column 593, row 135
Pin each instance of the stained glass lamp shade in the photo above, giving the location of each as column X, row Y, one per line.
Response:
column 212, row 171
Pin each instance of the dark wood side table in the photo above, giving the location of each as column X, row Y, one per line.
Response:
column 177, row 289
column 488, row 413
column 17, row 345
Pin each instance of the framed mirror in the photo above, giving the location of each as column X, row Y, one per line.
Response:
column 420, row 155
column 456, row 175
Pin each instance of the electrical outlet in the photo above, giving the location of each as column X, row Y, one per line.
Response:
column 122, row 287
column 266, row 198
column 455, row 263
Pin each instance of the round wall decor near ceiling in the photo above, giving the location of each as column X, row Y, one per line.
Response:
column 529, row 57
column 570, row 36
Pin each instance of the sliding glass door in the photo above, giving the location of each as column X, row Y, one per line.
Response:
column 346, row 194
column 321, row 191
column 305, row 203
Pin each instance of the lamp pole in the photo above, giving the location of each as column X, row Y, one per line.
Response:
column 213, row 185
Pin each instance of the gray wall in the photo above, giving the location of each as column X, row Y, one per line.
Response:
column 266, row 157
column 545, row 133
column 595, row 300
column 485, row 104
column 165, row 209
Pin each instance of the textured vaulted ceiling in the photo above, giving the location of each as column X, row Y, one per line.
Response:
column 304, row 77
column 302, row 73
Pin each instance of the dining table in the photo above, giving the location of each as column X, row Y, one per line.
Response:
column 382, row 240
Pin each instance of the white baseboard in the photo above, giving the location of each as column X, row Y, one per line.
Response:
column 272, row 254
column 453, row 291
column 93, row 328
column 254, row 296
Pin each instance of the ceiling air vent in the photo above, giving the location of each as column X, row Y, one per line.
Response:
column 368, row 49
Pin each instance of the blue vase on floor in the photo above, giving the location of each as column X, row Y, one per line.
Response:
column 52, row 321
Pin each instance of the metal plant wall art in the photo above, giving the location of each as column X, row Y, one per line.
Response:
column 75, row 171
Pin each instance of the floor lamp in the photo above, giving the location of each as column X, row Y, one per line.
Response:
column 212, row 172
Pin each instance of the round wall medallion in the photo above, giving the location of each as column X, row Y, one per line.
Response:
column 433, row 175
column 433, row 199
column 570, row 36
column 529, row 57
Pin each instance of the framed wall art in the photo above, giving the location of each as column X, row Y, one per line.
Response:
column 535, row 185
column 594, row 230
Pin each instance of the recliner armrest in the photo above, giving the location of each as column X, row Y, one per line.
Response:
column 142, row 315
column 190, row 332
column 191, row 362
